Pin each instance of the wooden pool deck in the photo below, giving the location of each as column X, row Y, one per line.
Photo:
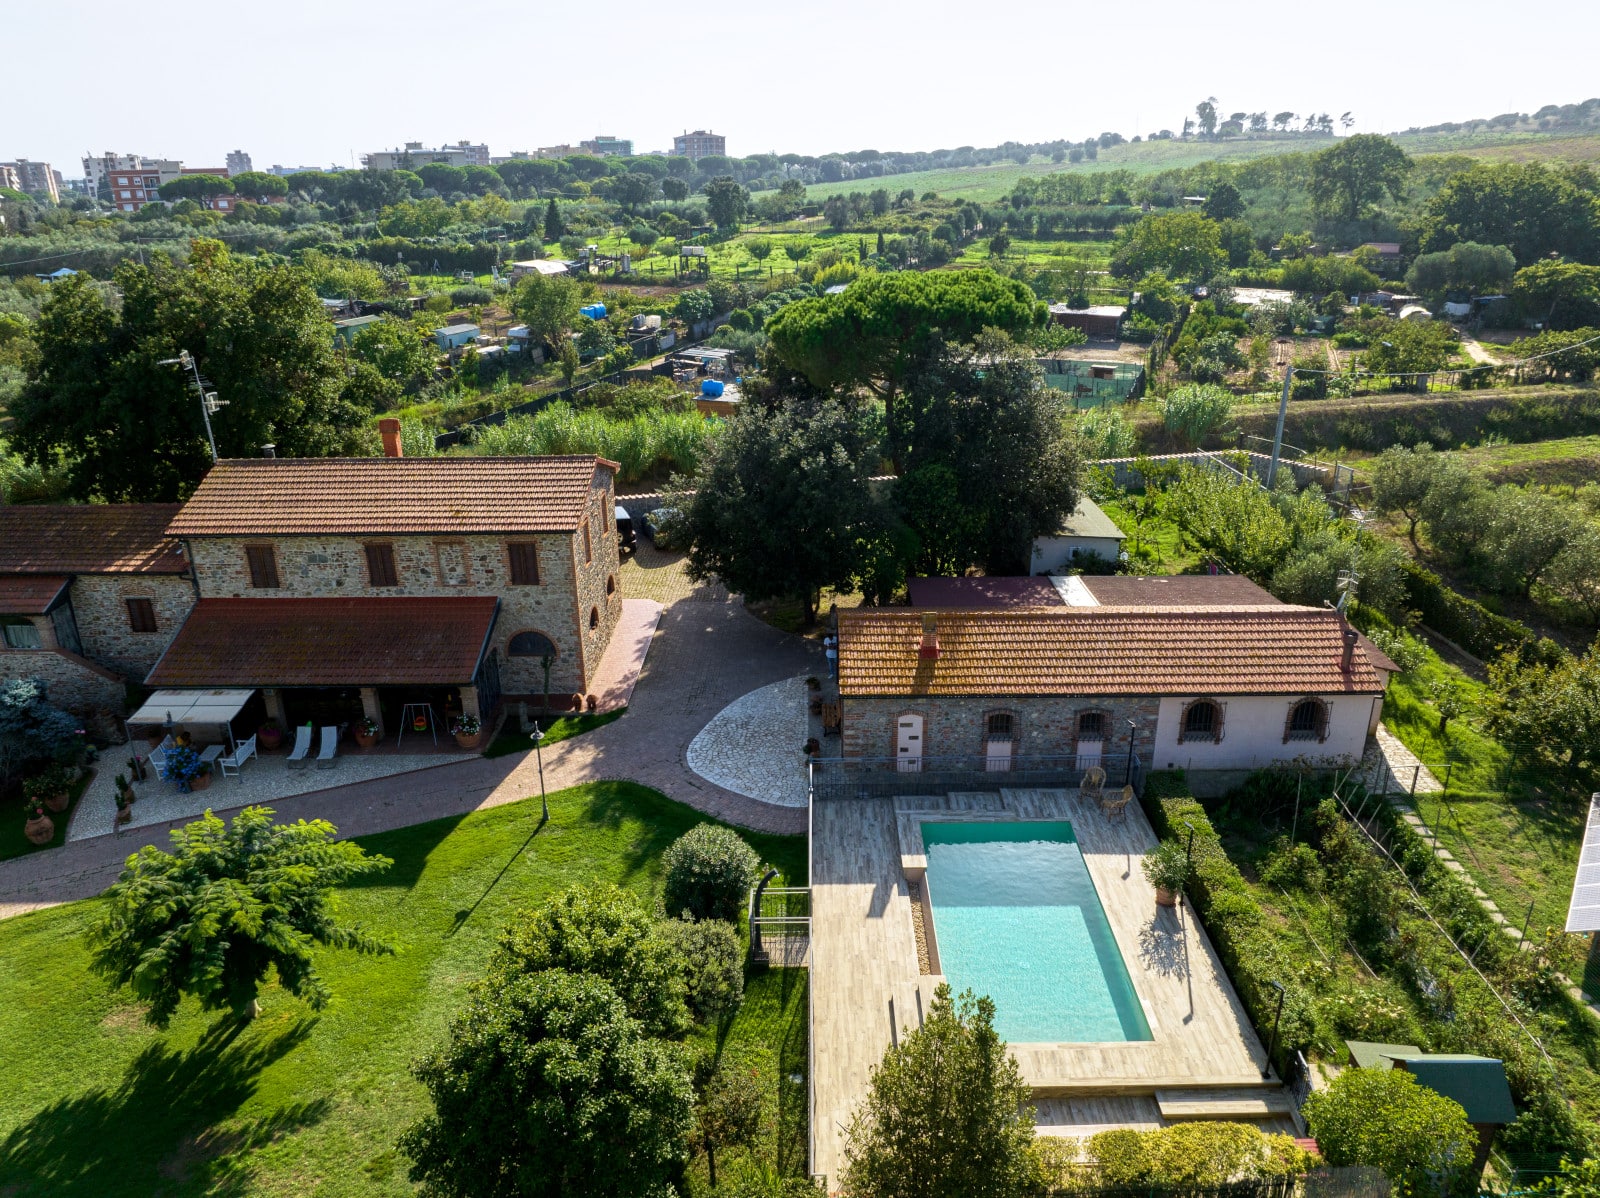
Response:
column 865, row 964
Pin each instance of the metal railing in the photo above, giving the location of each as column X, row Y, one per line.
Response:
column 834, row 778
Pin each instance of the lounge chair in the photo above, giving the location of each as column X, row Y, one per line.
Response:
column 302, row 747
column 330, row 746
column 241, row 754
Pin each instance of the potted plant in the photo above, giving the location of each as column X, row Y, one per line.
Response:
column 593, row 703
column 575, row 703
column 1166, row 867
column 367, row 732
column 813, row 683
column 468, row 731
column 813, row 746
column 39, row 828
column 136, row 768
column 54, row 787
column 125, row 795
column 270, row 736
column 124, row 807
column 186, row 769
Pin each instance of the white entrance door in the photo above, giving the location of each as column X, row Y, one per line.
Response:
column 908, row 744
column 997, row 756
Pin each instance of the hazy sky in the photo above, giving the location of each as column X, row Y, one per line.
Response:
column 317, row 81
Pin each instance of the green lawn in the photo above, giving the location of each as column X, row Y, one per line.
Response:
column 1157, row 547
column 95, row 1103
column 513, row 739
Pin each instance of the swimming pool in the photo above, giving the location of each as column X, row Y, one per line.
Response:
column 1016, row 917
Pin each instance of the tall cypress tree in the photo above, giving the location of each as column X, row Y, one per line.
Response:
column 554, row 230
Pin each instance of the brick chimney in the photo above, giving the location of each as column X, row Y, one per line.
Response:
column 389, row 430
column 929, row 649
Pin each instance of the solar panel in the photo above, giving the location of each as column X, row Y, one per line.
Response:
column 1584, row 914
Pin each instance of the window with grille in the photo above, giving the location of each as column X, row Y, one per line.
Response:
column 1202, row 721
column 1092, row 725
column 263, row 562
column 141, row 615
column 381, row 570
column 524, row 563
column 1000, row 726
column 1307, row 720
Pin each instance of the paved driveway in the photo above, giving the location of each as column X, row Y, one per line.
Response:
column 707, row 652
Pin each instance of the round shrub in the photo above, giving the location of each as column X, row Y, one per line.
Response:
column 713, row 964
column 709, row 871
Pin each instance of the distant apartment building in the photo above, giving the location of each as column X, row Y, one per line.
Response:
column 9, row 178
column 133, row 187
column 608, row 147
column 415, row 154
column 699, row 144
column 35, row 178
column 561, row 151
column 238, row 162
column 283, row 172
column 97, row 170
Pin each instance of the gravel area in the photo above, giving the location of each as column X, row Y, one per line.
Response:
column 753, row 746
column 262, row 780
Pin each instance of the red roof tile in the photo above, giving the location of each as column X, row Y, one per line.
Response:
column 89, row 538
column 29, row 594
column 1267, row 649
column 328, row 642
column 286, row 496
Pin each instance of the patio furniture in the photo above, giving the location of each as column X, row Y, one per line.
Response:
column 302, row 746
column 158, row 758
column 210, row 753
column 1093, row 781
column 410, row 713
column 330, row 746
column 1116, row 806
column 832, row 718
column 241, row 754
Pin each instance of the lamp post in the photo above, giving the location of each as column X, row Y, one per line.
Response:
column 1133, row 734
column 544, row 801
column 1188, row 849
column 1272, row 1044
column 209, row 402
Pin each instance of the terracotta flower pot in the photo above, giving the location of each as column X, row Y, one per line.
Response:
column 469, row 742
column 124, row 814
column 366, row 739
column 269, row 739
column 58, row 802
column 1165, row 897
column 200, row 782
column 41, row 830
column 128, row 796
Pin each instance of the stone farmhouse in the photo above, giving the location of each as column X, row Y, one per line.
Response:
column 1211, row 675
column 338, row 587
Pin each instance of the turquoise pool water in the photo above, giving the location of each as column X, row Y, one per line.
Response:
column 1016, row 917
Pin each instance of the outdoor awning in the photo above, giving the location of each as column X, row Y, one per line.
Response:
column 29, row 594
column 399, row 641
column 191, row 707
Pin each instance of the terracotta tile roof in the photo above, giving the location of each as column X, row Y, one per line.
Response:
column 328, row 642
column 285, row 496
column 1266, row 649
column 89, row 538
column 29, row 594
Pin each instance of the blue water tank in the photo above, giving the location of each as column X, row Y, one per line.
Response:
column 712, row 388
column 594, row 311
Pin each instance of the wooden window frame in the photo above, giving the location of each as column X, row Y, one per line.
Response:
column 385, row 550
column 269, row 559
column 141, row 614
column 514, row 549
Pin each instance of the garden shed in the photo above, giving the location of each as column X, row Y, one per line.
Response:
column 1101, row 321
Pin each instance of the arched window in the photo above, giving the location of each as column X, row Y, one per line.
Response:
column 1000, row 726
column 1092, row 725
column 594, row 618
column 531, row 644
column 611, row 584
column 1202, row 720
column 1308, row 720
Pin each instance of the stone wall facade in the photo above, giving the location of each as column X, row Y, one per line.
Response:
column 72, row 683
column 572, row 591
column 957, row 725
column 100, row 606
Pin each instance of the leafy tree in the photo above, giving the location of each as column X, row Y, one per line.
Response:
column 796, row 249
column 442, row 177
column 1419, row 1139
column 554, row 229
column 675, row 190
column 633, row 188
column 395, row 348
column 1562, row 294
column 229, row 903
column 707, row 873
column 1194, row 411
column 1574, row 575
column 547, row 1088
column 728, row 1113
column 1527, row 532
column 781, row 506
column 1349, row 178
column 1577, row 1179
column 128, row 429
column 258, row 185
column 726, row 201
column 336, row 277
column 871, row 334
column 1534, row 209
column 713, row 964
column 694, row 306
column 1224, row 202
column 1412, row 347
column 989, row 453
column 1309, row 574
column 548, row 305
column 759, row 248
column 603, row 931
column 1206, row 113
column 909, row 1137
column 999, row 244
column 32, row 729
column 1402, row 477
column 196, row 187
column 1183, row 245
column 1465, row 266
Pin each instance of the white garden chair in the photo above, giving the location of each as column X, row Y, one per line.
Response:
column 241, row 754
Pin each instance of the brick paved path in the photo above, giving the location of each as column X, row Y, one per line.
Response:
column 707, row 652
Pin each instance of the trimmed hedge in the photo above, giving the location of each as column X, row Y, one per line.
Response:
column 1214, row 1156
column 1467, row 622
column 1235, row 920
